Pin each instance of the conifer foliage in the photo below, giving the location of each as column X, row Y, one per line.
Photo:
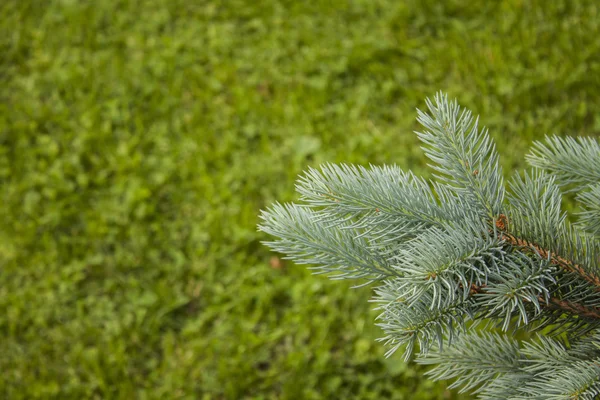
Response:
column 466, row 251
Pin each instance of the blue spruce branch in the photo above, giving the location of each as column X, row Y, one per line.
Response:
column 463, row 250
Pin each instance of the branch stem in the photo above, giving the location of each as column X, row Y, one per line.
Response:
column 554, row 302
column 569, row 266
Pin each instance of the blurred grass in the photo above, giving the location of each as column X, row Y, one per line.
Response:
column 140, row 138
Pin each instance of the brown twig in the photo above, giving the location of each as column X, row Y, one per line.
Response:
column 502, row 224
column 588, row 312
column 553, row 302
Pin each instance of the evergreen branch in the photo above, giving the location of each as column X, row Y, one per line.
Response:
column 508, row 386
column 541, row 301
column 563, row 321
column 573, row 161
column 587, row 347
column 521, row 283
column 371, row 197
column 556, row 259
column 502, row 224
column 589, row 219
column 546, row 352
column 554, row 353
column 306, row 241
column 579, row 380
column 445, row 264
column 417, row 323
column 536, row 222
column 474, row 360
column 465, row 156
column 535, row 202
column 452, row 251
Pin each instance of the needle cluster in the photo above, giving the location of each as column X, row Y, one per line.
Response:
column 464, row 261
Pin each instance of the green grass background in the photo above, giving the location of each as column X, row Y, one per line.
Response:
column 140, row 138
